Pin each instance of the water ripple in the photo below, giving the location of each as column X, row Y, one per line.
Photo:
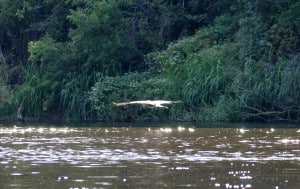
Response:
column 44, row 146
column 165, row 152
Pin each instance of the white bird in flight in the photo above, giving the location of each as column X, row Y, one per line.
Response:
column 154, row 103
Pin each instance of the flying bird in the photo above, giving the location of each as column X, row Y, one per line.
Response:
column 154, row 103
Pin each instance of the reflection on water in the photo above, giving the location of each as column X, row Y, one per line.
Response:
column 140, row 157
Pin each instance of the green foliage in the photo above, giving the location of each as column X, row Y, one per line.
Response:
column 195, row 66
column 4, row 93
column 65, row 90
column 74, row 99
column 268, row 93
column 284, row 33
column 25, row 21
column 130, row 87
column 202, row 81
column 36, row 94
column 99, row 39
column 225, row 108
column 226, row 60
column 251, row 36
column 232, row 78
column 203, row 77
column 6, row 108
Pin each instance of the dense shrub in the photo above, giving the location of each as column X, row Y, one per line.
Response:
column 130, row 87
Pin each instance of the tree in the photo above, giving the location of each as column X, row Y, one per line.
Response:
column 99, row 38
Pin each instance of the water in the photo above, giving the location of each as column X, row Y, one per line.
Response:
column 147, row 157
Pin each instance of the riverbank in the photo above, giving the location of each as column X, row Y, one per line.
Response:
column 149, row 123
column 225, row 61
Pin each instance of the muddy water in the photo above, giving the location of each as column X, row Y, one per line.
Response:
column 147, row 157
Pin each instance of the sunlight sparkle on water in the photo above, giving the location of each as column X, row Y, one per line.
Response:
column 166, row 130
column 180, row 128
column 41, row 130
column 195, row 157
column 292, row 141
column 217, row 184
column 242, row 131
column 52, row 129
column 227, row 185
column 23, row 130
column 28, row 130
column 191, row 130
column 271, row 131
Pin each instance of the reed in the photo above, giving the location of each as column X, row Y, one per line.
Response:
column 268, row 92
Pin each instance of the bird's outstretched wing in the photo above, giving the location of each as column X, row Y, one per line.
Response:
column 155, row 103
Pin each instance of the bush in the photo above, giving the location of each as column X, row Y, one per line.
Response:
column 129, row 87
column 225, row 109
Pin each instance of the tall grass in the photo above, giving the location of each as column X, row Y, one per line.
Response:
column 201, row 78
column 37, row 93
column 217, row 85
column 205, row 79
column 271, row 92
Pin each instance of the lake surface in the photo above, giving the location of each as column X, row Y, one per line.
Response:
column 49, row 157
